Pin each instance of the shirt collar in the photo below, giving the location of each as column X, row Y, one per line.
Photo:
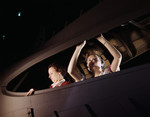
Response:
column 58, row 83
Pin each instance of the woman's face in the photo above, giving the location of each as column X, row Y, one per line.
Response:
column 93, row 63
column 53, row 74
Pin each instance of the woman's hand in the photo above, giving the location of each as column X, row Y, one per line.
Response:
column 81, row 45
column 115, row 65
column 72, row 67
column 30, row 92
column 101, row 39
column 100, row 36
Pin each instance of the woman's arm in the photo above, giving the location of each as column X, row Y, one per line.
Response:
column 115, row 65
column 72, row 67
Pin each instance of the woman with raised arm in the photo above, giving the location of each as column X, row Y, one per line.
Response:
column 95, row 63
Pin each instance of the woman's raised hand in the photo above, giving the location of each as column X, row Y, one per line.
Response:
column 81, row 45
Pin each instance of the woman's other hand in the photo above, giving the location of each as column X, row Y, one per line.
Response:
column 30, row 92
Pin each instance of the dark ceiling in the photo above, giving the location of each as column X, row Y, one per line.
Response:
column 23, row 35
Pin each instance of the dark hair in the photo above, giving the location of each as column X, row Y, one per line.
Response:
column 58, row 68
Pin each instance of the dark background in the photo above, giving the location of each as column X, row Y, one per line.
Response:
column 20, row 36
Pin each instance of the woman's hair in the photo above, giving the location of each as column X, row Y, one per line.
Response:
column 91, row 52
column 58, row 68
column 94, row 52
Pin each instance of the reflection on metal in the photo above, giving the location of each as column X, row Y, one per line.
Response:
column 140, row 26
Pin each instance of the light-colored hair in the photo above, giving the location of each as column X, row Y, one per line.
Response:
column 91, row 52
column 94, row 51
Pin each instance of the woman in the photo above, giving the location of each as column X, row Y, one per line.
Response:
column 56, row 74
column 94, row 62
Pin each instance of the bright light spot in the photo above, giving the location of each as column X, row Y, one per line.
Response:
column 130, row 21
column 19, row 13
column 3, row 36
column 122, row 25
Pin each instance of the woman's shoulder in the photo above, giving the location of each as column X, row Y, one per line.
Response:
column 107, row 70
